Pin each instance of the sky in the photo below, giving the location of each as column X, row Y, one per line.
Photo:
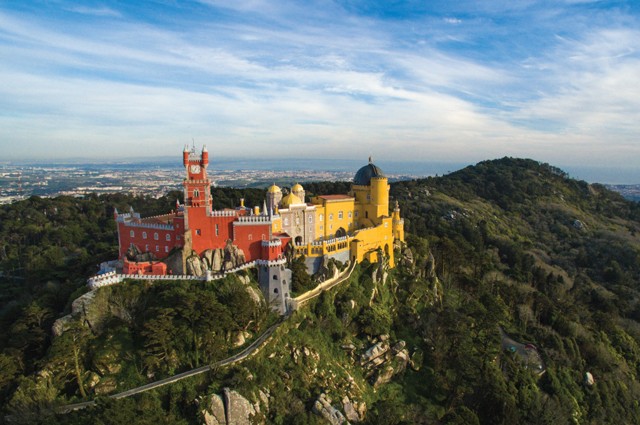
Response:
column 459, row 81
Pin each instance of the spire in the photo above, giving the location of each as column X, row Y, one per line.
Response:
column 370, row 160
column 204, row 148
column 264, row 208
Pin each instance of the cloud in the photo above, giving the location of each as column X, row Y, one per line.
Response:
column 317, row 79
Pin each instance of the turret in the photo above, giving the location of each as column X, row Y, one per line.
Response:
column 205, row 156
column 185, row 155
column 397, row 224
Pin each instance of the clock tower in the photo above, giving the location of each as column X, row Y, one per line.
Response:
column 197, row 187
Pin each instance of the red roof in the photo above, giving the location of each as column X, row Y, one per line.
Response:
column 335, row 197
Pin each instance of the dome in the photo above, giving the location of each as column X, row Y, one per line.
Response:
column 296, row 188
column 290, row 199
column 273, row 189
column 364, row 175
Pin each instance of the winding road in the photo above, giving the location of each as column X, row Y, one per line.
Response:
column 250, row 350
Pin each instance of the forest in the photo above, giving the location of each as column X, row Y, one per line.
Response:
column 508, row 246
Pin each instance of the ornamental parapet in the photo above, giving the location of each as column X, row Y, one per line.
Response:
column 123, row 217
column 279, row 262
column 272, row 243
column 247, row 219
column 149, row 225
column 330, row 241
column 223, row 213
column 199, row 181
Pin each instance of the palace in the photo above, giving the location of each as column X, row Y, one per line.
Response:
column 195, row 238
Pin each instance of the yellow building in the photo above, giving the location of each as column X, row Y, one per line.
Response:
column 353, row 226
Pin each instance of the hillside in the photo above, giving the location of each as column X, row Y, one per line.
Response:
column 514, row 301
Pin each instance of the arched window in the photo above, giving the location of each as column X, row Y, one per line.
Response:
column 155, row 236
column 144, row 235
column 132, row 233
column 340, row 215
column 331, row 216
column 275, row 290
column 168, row 237
column 196, row 193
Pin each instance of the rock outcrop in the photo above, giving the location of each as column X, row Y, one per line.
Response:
column 229, row 409
column 195, row 266
column 322, row 407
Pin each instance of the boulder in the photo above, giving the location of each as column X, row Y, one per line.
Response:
column 255, row 295
column 588, row 379
column 207, row 258
column 215, row 415
column 61, row 325
column 195, row 266
column 374, row 351
column 322, row 407
column 216, row 261
column 383, row 376
column 239, row 410
column 174, row 262
column 353, row 411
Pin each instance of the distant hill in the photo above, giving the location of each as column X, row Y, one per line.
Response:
column 516, row 300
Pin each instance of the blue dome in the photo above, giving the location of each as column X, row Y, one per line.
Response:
column 364, row 175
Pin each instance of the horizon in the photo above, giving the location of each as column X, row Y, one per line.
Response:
column 416, row 169
column 446, row 82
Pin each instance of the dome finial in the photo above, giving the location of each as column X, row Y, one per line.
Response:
column 370, row 160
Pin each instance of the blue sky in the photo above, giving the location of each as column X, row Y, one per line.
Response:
column 459, row 81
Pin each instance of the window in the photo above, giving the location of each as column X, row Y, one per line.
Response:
column 217, row 230
column 339, row 215
column 368, row 196
column 321, row 217
column 275, row 290
column 144, row 235
column 321, row 227
column 168, row 237
column 166, row 249
column 286, row 221
column 132, row 233
column 349, row 214
column 263, row 237
column 155, row 236
column 386, row 224
column 275, row 277
column 331, row 216
column 356, row 214
column 157, row 248
column 146, row 248
column 196, row 193
column 250, row 237
column 177, row 237
column 198, row 232
column 366, row 214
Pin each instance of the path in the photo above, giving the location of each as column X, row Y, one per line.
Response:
column 251, row 349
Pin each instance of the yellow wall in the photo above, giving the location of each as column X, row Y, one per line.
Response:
column 367, row 241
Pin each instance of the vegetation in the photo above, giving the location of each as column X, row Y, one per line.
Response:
column 508, row 244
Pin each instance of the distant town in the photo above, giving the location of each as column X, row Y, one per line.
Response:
column 20, row 181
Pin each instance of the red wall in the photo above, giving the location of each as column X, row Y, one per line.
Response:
column 164, row 246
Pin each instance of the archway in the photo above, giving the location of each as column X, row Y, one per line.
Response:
column 298, row 240
column 341, row 233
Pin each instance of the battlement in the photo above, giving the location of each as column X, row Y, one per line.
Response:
column 250, row 219
column 223, row 213
column 272, row 243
